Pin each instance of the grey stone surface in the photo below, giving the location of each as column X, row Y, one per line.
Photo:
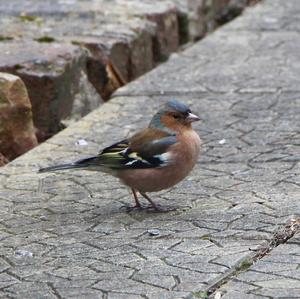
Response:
column 64, row 235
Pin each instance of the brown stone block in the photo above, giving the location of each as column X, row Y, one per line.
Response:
column 52, row 74
column 164, row 15
column 117, row 55
column 222, row 11
column 196, row 19
column 166, row 38
column 141, row 49
column 107, row 63
column 17, row 134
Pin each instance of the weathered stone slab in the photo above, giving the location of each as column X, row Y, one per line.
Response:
column 17, row 134
column 55, row 79
column 117, row 58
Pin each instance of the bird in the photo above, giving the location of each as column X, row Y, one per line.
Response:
column 153, row 159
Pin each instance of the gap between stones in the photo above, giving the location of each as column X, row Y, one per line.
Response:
column 281, row 236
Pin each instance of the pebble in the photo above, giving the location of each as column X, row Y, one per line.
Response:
column 154, row 232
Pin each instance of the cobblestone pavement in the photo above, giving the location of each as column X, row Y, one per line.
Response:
column 64, row 235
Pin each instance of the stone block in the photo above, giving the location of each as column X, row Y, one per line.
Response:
column 53, row 74
column 229, row 9
column 166, row 38
column 164, row 15
column 117, row 53
column 196, row 19
column 17, row 133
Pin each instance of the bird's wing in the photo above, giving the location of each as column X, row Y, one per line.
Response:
column 146, row 150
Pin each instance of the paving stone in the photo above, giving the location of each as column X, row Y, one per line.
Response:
column 284, row 292
column 79, row 292
column 116, row 295
column 34, row 290
column 238, row 295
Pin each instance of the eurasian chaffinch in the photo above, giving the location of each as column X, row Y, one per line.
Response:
column 153, row 159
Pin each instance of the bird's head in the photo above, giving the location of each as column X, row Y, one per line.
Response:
column 174, row 116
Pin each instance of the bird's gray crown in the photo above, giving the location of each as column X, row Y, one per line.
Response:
column 176, row 106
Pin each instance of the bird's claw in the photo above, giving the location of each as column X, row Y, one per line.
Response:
column 161, row 209
column 133, row 208
column 148, row 208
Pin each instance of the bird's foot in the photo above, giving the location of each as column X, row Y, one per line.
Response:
column 161, row 209
column 149, row 208
column 139, row 207
column 156, row 207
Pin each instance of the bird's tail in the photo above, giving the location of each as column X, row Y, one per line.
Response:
column 84, row 163
column 61, row 167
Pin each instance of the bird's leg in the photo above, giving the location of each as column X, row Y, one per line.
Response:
column 155, row 206
column 137, row 206
column 137, row 203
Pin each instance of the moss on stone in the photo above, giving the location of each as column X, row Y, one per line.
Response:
column 201, row 294
column 28, row 18
column 45, row 39
column 5, row 37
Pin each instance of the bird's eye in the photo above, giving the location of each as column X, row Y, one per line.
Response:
column 176, row 116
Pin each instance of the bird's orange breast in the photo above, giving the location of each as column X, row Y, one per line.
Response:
column 184, row 156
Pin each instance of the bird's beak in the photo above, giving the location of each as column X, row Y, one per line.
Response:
column 192, row 117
